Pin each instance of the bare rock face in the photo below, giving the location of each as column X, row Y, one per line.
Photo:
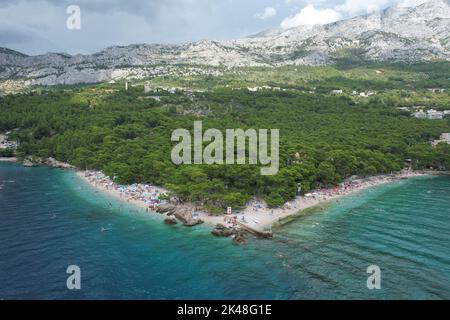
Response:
column 239, row 236
column 28, row 163
column 185, row 216
column 53, row 163
column 182, row 213
column 399, row 34
column 166, row 209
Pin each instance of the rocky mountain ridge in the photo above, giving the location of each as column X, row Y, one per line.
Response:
column 413, row 34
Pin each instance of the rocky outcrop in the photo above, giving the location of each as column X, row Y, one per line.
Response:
column 182, row 213
column 166, row 209
column 28, row 163
column 51, row 162
column 239, row 236
column 222, row 231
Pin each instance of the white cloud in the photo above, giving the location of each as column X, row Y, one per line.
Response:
column 361, row 6
column 309, row 16
column 268, row 13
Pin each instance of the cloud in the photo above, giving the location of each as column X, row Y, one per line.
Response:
column 361, row 6
column 310, row 16
column 14, row 36
column 269, row 12
column 106, row 23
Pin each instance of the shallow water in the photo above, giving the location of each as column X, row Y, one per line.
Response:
column 50, row 219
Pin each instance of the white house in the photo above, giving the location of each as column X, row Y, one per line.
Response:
column 436, row 90
column 147, row 88
column 446, row 137
column 420, row 114
column 435, row 115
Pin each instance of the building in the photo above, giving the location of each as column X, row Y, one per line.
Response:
column 446, row 137
column 7, row 144
column 420, row 114
column 340, row 91
column 435, row 115
column 148, row 88
column 436, row 90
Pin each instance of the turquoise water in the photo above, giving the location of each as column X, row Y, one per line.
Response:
column 49, row 219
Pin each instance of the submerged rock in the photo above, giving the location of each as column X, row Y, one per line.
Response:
column 221, row 231
column 239, row 238
column 170, row 221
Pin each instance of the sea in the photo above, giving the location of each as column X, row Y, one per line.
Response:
column 50, row 220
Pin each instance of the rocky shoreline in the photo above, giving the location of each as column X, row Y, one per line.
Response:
column 50, row 162
column 176, row 213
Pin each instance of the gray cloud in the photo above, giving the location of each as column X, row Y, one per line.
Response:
column 38, row 26
column 14, row 36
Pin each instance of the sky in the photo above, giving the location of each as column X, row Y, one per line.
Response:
column 40, row 26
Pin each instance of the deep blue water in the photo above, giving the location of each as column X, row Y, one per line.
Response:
column 49, row 219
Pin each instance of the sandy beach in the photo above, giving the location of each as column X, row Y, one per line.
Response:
column 256, row 215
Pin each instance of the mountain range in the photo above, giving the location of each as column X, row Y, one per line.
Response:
column 396, row 34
